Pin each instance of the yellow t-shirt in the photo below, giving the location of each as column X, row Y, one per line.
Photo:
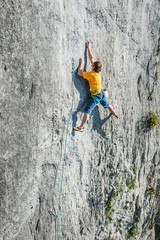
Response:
column 94, row 80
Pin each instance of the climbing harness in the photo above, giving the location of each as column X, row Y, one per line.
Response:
column 97, row 99
column 56, row 215
column 96, row 91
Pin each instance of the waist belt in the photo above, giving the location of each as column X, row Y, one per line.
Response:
column 97, row 98
column 96, row 91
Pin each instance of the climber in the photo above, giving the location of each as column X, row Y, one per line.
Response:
column 94, row 78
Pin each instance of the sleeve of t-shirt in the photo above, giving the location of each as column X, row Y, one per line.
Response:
column 86, row 75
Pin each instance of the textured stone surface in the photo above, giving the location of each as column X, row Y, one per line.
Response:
column 40, row 43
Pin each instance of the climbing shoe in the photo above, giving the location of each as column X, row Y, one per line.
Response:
column 79, row 129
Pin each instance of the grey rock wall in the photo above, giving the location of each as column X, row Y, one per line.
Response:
column 41, row 42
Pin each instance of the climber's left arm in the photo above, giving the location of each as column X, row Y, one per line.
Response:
column 80, row 71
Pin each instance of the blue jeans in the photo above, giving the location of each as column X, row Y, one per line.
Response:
column 93, row 101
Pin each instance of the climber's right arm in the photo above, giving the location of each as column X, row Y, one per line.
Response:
column 90, row 53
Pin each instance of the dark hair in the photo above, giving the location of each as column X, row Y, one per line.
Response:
column 97, row 66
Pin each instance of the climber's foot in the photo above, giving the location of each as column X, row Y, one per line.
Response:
column 115, row 115
column 79, row 129
column 112, row 111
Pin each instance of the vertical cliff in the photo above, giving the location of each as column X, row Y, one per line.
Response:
column 111, row 182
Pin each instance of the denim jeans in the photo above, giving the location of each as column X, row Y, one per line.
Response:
column 93, row 101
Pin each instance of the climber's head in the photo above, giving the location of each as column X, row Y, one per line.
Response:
column 97, row 66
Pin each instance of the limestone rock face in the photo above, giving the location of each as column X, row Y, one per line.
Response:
column 109, row 188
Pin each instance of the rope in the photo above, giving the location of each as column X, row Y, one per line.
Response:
column 56, row 215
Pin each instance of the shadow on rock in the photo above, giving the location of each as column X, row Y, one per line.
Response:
column 98, row 122
column 83, row 88
column 94, row 202
column 142, row 126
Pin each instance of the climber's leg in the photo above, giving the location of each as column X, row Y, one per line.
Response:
column 84, row 120
column 88, row 109
column 112, row 111
column 105, row 104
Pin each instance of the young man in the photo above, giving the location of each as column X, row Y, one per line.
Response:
column 94, row 78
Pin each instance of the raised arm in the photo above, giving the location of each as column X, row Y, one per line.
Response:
column 80, row 69
column 90, row 53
